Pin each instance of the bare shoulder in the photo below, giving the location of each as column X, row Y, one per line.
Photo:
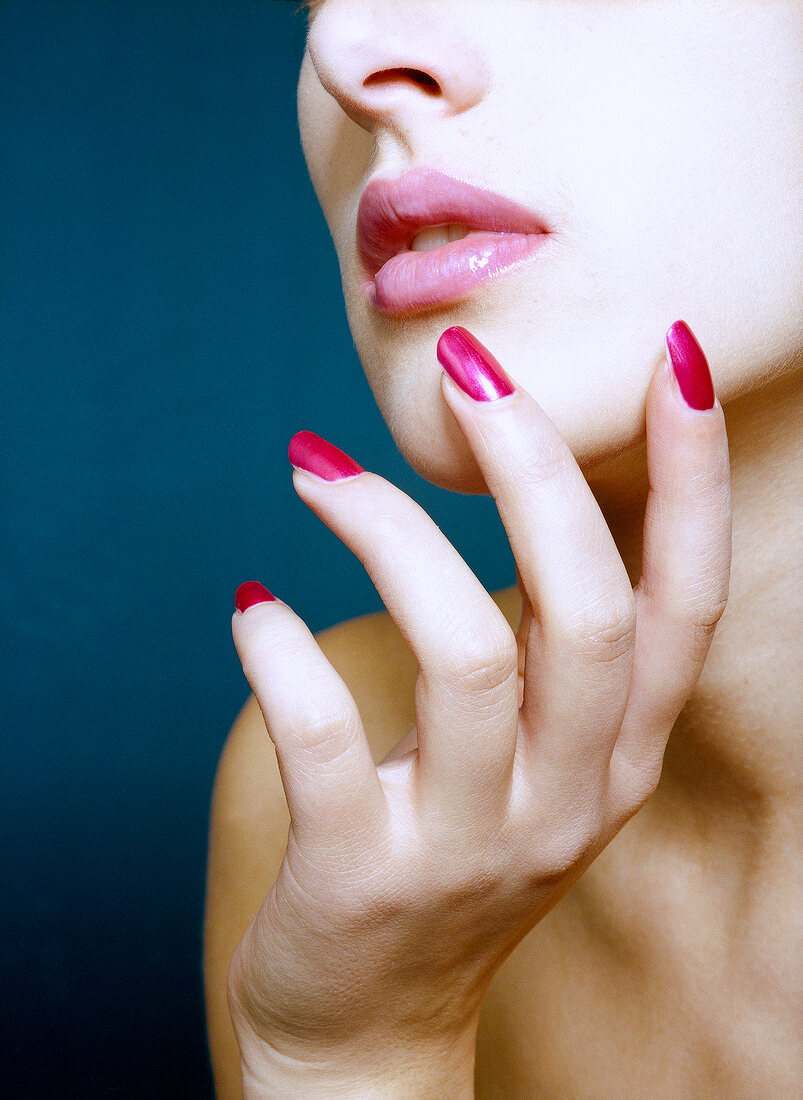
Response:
column 249, row 818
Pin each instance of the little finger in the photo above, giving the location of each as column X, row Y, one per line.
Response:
column 329, row 776
column 686, row 553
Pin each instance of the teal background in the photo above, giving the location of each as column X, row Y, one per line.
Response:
column 158, row 351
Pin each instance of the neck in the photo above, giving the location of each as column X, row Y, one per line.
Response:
column 734, row 753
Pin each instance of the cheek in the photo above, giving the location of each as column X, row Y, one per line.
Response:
column 693, row 207
column 337, row 151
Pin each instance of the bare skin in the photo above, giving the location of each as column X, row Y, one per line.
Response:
column 672, row 967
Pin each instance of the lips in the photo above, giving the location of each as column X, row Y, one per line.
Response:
column 392, row 213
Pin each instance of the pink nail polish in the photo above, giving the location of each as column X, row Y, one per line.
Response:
column 250, row 593
column 308, row 451
column 690, row 366
column 472, row 366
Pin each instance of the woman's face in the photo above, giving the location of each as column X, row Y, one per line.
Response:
column 661, row 143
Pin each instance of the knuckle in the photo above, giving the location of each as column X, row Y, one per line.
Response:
column 323, row 726
column 605, row 631
column 570, row 842
column 468, row 881
column 372, row 903
column 481, row 659
column 701, row 614
column 636, row 782
column 706, row 613
column 451, row 887
column 646, row 785
column 700, row 634
column 582, row 835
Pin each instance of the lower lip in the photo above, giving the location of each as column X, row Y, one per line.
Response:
column 420, row 280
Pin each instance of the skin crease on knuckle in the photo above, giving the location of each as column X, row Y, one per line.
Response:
column 602, row 629
column 485, row 660
column 661, row 144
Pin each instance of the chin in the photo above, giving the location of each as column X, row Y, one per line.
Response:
column 448, row 467
column 426, row 434
column 430, row 441
column 599, row 414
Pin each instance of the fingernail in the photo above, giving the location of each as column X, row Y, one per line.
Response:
column 249, row 593
column 690, row 366
column 472, row 366
column 307, row 451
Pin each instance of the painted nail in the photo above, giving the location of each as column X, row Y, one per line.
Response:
column 249, row 593
column 472, row 366
column 690, row 366
column 308, row 451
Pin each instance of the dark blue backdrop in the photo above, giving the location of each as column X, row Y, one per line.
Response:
column 152, row 180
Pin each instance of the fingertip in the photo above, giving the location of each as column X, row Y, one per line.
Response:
column 251, row 593
column 313, row 454
column 688, row 369
column 472, row 366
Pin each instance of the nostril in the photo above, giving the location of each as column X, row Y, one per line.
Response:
column 389, row 76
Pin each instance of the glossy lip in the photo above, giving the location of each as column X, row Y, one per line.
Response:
column 397, row 280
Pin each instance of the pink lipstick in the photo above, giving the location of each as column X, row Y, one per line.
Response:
column 480, row 236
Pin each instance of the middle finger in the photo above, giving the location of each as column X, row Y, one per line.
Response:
column 580, row 640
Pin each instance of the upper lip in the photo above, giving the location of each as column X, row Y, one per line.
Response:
column 393, row 211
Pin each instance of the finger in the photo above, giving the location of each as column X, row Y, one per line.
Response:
column 329, row 777
column 685, row 561
column 466, row 704
column 579, row 647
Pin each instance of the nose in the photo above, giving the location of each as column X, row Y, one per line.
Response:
column 392, row 64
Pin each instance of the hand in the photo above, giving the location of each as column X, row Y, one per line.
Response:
column 406, row 884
